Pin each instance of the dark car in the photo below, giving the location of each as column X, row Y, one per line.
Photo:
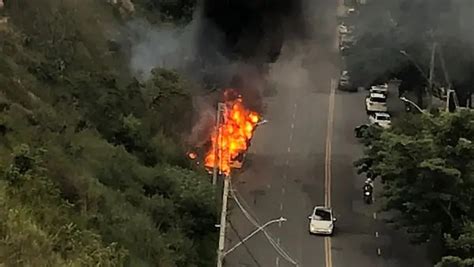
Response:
column 345, row 83
column 359, row 130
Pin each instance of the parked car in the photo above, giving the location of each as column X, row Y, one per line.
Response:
column 359, row 130
column 381, row 119
column 345, row 82
column 347, row 40
column 380, row 89
column 376, row 102
column 343, row 29
column 345, row 50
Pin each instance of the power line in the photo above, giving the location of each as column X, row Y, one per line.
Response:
column 270, row 238
column 255, row 222
column 246, row 247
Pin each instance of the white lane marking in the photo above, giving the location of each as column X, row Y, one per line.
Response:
column 287, row 162
column 281, row 206
column 375, row 215
column 291, row 137
column 289, row 149
column 278, row 241
column 376, row 234
column 279, row 225
column 269, row 186
column 277, row 261
column 328, row 151
column 379, row 251
column 294, row 111
column 282, row 190
column 292, row 125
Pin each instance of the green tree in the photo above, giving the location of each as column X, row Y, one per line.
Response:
column 462, row 247
column 426, row 166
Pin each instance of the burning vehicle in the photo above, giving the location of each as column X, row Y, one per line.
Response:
column 232, row 136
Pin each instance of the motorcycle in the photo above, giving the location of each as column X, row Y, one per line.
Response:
column 368, row 199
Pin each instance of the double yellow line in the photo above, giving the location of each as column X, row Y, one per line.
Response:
column 327, row 168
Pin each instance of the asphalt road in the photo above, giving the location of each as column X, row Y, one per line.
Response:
column 303, row 157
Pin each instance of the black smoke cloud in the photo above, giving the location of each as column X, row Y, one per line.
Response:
column 230, row 43
column 222, row 35
column 249, row 34
column 253, row 30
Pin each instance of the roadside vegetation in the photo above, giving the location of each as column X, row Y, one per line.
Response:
column 426, row 166
column 92, row 162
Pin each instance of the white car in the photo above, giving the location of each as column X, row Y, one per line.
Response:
column 376, row 102
column 321, row 221
column 379, row 89
column 382, row 119
column 343, row 29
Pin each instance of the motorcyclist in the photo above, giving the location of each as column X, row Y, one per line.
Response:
column 369, row 182
column 368, row 188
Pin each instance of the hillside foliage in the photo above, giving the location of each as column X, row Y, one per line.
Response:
column 93, row 166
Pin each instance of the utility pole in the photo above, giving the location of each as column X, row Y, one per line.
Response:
column 222, row 226
column 449, row 92
column 221, row 108
column 430, row 81
column 218, row 130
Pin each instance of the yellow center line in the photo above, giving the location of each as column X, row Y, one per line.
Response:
column 327, row 168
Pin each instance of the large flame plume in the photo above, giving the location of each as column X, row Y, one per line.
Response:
column 233, row 135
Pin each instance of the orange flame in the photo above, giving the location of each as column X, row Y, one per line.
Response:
column 233, row 135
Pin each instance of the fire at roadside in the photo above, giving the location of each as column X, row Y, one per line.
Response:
column 229, row 142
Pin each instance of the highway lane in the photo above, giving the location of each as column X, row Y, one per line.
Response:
column 285, row 177
column 285, row 168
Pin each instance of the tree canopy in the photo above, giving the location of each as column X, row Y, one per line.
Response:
column 426, row 166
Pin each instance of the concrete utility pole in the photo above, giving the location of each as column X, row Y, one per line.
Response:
column 450, row 93
column 220, row 110
column 430, row 81
column 222, row 226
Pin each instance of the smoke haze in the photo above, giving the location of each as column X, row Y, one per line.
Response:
column 231, row 43
column 385, row 27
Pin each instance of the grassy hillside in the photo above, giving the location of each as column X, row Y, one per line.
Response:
column 91, row 160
